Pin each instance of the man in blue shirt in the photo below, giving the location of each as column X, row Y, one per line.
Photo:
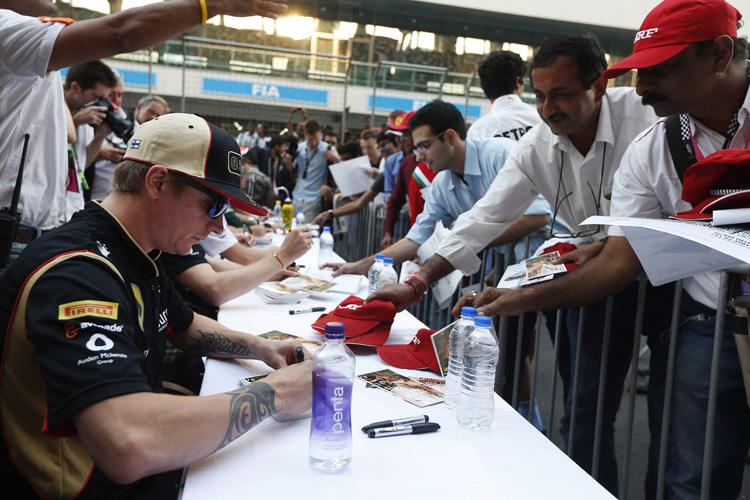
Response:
column 465, row 171
column 311, row 166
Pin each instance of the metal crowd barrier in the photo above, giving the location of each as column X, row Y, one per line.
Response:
column 361, row 237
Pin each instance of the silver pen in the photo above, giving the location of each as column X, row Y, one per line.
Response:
column 399, row 430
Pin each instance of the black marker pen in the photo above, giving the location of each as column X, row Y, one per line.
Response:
column 300, row 355
column 399, row 430
column 419, row 419
column 309, row 310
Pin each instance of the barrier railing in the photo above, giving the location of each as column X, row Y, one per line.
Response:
column 363, row 239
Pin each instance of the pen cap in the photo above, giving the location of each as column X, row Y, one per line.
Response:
column 335, row 331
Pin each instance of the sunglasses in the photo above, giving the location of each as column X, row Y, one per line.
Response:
column 219, row 205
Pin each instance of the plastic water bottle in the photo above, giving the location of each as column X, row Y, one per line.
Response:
column 460, row 331
column 331, row 428
column 300, row 218
column 287, row 214
column 476, row 404
column 372, row 274
column 277, row 212
column 387, row 274
column 325, row 253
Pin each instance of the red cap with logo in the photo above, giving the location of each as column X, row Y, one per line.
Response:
column 401, row 122
column 416, row 355
column 359, row 318
column 720, row 181
column 673, row 25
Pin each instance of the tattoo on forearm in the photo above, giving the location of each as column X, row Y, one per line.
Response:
column 247, row 408
column 216, row 343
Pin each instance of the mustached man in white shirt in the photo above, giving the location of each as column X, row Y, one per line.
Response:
column 691, row 62
column 571, row 161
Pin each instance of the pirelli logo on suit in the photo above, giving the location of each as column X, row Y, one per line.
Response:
column 81, row 308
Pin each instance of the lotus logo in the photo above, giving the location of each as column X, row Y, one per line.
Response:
column 234, row 163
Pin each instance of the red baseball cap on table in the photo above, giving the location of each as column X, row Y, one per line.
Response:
column 374, row 338
column 358, row 318
column 720, row 181
column 673, row 25
column 416, row 355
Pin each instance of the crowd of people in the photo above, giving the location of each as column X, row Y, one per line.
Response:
column 152, row 216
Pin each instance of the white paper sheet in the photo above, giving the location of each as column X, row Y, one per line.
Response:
column 350, row 176
column 445, row 287
column 672, row 249
column 731, row 216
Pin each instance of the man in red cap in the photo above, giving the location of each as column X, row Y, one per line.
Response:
column 403, row 178
column 691, row 65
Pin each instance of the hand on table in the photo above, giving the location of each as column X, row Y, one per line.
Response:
column 499, row 301
column 292, row 386
column 340, row 268
column 400, row 294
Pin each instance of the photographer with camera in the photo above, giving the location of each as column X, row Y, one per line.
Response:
column 123, row 126
column 35, row 46
column 86, row 89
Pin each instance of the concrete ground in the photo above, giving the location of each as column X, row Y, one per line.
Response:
column 640, row 440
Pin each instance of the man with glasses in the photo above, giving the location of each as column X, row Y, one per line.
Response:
column 571, row 160
column 89, row 311
column 465, row 171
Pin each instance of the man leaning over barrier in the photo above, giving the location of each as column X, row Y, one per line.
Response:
column 89, row 311
column 689, row 61
column 571, row 160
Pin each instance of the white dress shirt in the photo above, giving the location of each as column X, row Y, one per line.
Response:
column 533, row 168
column 647, row 185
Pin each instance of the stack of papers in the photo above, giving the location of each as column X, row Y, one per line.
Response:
column 273, row 292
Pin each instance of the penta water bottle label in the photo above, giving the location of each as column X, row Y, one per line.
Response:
column 331, row 420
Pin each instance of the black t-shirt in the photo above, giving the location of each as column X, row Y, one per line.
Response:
column 89, row 315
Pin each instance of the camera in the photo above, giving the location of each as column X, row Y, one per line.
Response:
column 122, row 127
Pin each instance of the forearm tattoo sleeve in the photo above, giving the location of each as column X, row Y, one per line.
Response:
column 247, row 408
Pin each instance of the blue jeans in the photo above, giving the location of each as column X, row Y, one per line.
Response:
column 690, row 403
column 656, row 320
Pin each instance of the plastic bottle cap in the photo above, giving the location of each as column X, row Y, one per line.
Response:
column 335, row 331
column 388, row 260
column 326, row 229
column 469, row 312
column 480, row 321
column 379, row 256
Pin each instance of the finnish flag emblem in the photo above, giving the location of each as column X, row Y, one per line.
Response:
column 135, row 144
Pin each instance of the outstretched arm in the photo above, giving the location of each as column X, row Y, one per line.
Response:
column 143, row 27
